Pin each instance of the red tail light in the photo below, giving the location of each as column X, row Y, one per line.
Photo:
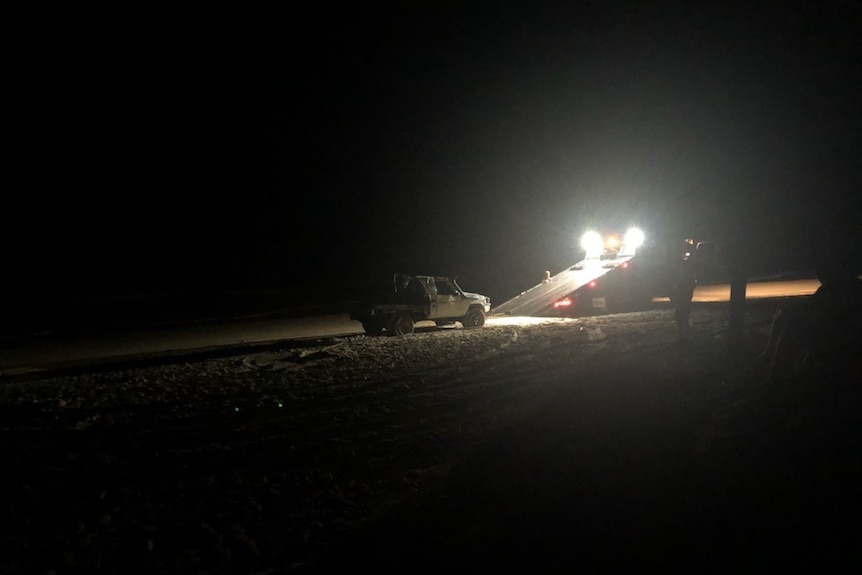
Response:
column 565, row 302
column 593, row 284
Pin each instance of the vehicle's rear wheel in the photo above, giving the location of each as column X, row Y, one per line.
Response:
column 401, row 324
column 475, row 317
column 372, row 328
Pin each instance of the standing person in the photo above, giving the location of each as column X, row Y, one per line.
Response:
column 682, row 294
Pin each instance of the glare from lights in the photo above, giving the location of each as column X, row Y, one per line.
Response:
column 592, row 244
column 634, row 238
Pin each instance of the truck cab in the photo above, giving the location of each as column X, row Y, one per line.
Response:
column 447, row 299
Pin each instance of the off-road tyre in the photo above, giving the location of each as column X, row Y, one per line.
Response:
column 372, row 328
column 401, row 324
column 475, row 317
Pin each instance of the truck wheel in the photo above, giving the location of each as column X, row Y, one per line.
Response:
column 475, row 318
column 372, row 328
column 402, row 324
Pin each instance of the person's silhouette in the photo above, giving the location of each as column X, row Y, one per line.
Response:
column 682, row 294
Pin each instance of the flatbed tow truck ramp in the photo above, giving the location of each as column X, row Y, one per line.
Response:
column 542, row 296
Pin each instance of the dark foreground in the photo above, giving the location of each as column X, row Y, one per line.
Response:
column 596, row 445
column 606, row 479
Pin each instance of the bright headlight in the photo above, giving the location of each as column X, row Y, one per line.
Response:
column 634, row 238
column 592, row 243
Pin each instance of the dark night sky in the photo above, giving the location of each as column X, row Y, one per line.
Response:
column 291, row 148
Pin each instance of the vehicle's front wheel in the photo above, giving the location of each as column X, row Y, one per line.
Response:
column 475, row 318
column 401, row 324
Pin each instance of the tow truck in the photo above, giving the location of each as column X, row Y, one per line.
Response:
column 615, row 275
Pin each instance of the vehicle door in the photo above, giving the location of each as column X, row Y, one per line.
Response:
column 450, row 302
column 431, row 304
column 420, row 294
